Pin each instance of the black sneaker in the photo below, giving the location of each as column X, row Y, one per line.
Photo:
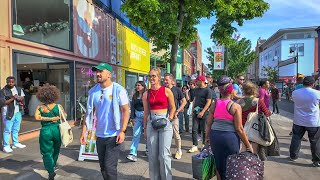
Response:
column 293, row 159
column 132, row 158
column 316, row 164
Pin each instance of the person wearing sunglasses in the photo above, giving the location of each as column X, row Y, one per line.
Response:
column 137, row 118
column 237, row 88
column 110, row 102
column 158, row 104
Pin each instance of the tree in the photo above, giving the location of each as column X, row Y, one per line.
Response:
column 240, row 56
column 171, row 23
column 271, row 73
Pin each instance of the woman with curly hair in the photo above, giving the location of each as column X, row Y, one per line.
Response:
column 49, row 115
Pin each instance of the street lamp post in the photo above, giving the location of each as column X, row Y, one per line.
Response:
column 292, row 49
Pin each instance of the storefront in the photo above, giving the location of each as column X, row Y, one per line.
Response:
column 57, row 42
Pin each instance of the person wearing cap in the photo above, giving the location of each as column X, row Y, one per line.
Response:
column 306, row 118
column 201, row 105
column 109, row 102
column 224, row 127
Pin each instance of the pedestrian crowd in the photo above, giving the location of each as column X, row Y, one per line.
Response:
column 228, row 118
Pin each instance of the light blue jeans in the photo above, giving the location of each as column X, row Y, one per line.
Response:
column 11, row 127
column 137, row 130
column 159, row 144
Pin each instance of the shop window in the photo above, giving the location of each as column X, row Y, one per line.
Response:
column 42, row 71
column 85, row 80
column 131, row 79
column 46, row 22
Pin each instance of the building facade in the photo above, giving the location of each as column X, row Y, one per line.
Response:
column 281, row 49
column 57, row 42
column 196, row 50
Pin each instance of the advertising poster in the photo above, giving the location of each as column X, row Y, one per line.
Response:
column 219, row 58
column 89, row 151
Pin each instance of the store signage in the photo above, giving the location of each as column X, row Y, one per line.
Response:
column 87, row 71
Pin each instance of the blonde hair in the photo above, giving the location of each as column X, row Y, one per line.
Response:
column 158, row 72
column 249, row 89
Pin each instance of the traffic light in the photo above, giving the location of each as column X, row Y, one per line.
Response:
column 300, row 75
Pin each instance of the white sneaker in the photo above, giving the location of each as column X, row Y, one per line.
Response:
column 193, row 149
column 178, row 155
column 18, row 145
column 7, row 149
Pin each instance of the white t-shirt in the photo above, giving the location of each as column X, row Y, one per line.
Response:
column 16, row 106
column 102, row 101
column 306, row 107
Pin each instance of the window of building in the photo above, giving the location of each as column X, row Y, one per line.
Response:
column 85, row 80
column 131, row 79
column 293, row 49
column 295, row 36
column 46, row 22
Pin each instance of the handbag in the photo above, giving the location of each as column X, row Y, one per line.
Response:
column 65, row 129
column 252, row 129
column 203, row 164
column 156, row 123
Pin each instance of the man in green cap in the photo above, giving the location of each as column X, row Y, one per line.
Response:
column 110, row 103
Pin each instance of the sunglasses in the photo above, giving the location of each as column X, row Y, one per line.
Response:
column 101, row 97
column 152, row 76
column 241, row 79
column 191, row 84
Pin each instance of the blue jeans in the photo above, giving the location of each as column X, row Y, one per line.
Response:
column 11, row 127
column 314, row 138
column 137, row 129
column 159, row 144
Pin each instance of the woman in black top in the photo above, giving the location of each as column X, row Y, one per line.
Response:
column 137, row 118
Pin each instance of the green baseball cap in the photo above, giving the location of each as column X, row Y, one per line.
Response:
column 102, row 66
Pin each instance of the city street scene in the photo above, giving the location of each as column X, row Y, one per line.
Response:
column 160, row 90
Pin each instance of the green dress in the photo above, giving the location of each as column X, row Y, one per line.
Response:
column 50, row 140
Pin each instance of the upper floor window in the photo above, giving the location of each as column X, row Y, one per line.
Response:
column 46, row 22
column 295, row 49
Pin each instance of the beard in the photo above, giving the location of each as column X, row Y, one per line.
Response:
column 9, row 87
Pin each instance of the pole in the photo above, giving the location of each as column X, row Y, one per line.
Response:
column 318, row 31
column 297, row 61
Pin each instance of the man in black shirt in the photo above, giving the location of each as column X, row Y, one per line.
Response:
column 180, row 102
column 201, row 104
column 26, row 89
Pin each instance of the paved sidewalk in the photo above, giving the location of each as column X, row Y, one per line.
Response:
column 25, row 164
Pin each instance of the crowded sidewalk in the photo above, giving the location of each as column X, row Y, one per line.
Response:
column 24, row 164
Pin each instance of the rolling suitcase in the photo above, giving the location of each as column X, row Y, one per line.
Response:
column 244, row 166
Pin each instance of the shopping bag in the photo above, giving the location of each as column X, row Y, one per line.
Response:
column 252, row 129
column 65, row 129
column 244, row 166
column 189, row 112
column 203, row 165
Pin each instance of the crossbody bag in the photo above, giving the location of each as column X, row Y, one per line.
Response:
column 156, row 123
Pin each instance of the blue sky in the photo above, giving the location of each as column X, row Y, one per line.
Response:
column 281, row 14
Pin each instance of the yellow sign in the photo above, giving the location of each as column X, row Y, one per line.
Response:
column 133, row 51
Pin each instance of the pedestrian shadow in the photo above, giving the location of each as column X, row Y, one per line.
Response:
column 286, row 160
column 19, row 169
column 182, row 166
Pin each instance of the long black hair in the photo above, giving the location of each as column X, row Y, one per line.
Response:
column 136, row 93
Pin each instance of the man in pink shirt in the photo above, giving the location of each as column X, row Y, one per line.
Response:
column 264, row 93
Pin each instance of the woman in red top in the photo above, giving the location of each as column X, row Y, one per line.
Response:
column 249, row 104
column 158, row 141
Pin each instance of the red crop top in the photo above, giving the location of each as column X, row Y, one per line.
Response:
column 158, row 99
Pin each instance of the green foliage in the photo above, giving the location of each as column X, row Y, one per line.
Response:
column 172, row 22
column 240, row 56
column 271, row 73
